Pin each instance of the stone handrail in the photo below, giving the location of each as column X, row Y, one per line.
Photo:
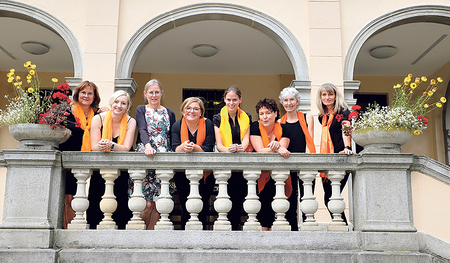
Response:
column 432, row 168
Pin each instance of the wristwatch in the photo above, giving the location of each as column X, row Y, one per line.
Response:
column 112, row 146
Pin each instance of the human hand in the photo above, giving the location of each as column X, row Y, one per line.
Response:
column 188, row 146
column 104, row 145
column 232, row 148
column 274, row 146
column 103, row 109
column 149, row 151
column 347, row 151
column 239, row 148
column 283, row 152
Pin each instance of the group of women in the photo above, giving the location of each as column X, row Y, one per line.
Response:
column 231, row 130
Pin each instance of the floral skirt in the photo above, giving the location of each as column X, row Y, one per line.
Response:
column 151, row 187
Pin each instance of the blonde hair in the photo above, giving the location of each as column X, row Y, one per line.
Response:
column 339, row 102
column 190, row 100
column 151, row 83
column 118, row 94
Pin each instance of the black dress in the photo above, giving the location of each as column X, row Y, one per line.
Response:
column 206, row 187
column 237, row 185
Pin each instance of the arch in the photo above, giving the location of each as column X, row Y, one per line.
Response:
column 212, row 11
column 420, row 13
column 33, row 14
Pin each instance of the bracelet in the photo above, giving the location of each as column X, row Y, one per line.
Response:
column 112, row 146
column 348, row 147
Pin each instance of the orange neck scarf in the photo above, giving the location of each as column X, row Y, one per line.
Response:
column 200, row 138
column 301, row 119
column 265, row 176
column 326, row 144
column 85, row 125
column 107, row 128
column 201, row 131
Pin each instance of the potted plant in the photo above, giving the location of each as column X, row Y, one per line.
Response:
column 36, row 119
column 385, row 129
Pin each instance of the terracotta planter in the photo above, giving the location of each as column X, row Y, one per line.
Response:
column 382, row 141
column 38, row 136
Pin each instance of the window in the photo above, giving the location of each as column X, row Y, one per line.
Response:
column 212, row 98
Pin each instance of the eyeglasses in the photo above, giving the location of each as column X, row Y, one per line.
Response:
column 88, row 94
column 192, row 109
column 151, row 93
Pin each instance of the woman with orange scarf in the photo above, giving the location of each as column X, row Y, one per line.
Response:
column 301, row 127
column 193, row 133
column 333, row 112
column 85, row 104
column 111, row 131
column 231, row 127
column 268, row 135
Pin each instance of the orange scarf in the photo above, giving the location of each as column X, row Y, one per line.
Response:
column 107, row 128
column 85, row 125
column 326, row 144
column 265, row 176
column 301, row 119
column 200, row 137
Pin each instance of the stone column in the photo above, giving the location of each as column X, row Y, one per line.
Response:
column 34, row 197
column 194, row 203
column 164, row 205
column 382, row 200
column 108, row 204
column 137, row 202
column 308, row 204
column 80, row 202
column 223, row 203
column 280, row 204
column 336, row 204
column 252, row 205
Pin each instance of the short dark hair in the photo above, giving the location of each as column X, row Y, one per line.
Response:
column 269, row 104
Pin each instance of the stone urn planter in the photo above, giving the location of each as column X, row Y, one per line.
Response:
column 382, row 141
column 34, row 136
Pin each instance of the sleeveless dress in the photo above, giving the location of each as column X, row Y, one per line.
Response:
column 158, row 127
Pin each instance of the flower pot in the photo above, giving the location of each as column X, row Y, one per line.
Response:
column 34, row 136
column 382, row 141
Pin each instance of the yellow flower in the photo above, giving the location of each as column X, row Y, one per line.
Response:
column 425, row 106
column 30, row 90
column 10, row 79
column 16, row 84
column 407, row 80
column 20, row 83
column 439, row 79
column 409, row 75
column 54, row 80
column 417, row 81
column 10, row 74
column 439, row 105
column 17, row 78
column 28, row 76
column 28, row 80
column 27, row 64
column 413, row 85
column 430, row 93
column 32, row 72
column 416, row 132
column 397, row 86
column 433, row 81
column 443, row 100
column 33, row 66
column 424, row 78
column 12, row 71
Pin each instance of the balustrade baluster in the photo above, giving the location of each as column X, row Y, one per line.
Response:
column 194, row 203
column 223, row 203
column 108, row 204
column 80, row 201
column 336, row 204
column 252, row 205
column 137, row 202
column 164, row 205
column 280, row 204
column 308, row 204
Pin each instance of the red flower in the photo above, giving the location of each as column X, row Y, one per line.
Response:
column 356, row 107
column 353, row 115
column 339, row 117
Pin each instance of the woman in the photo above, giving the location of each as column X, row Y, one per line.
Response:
column 231, row 128
column 301, row 127
column 85, row 104
column 333, row 112
column 153, row 122
column 193, row 133
column 268, row 135
column 111, row 131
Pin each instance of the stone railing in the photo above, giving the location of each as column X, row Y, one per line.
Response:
column 36, row 175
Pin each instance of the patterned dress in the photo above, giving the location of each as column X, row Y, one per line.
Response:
column 158, row 127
